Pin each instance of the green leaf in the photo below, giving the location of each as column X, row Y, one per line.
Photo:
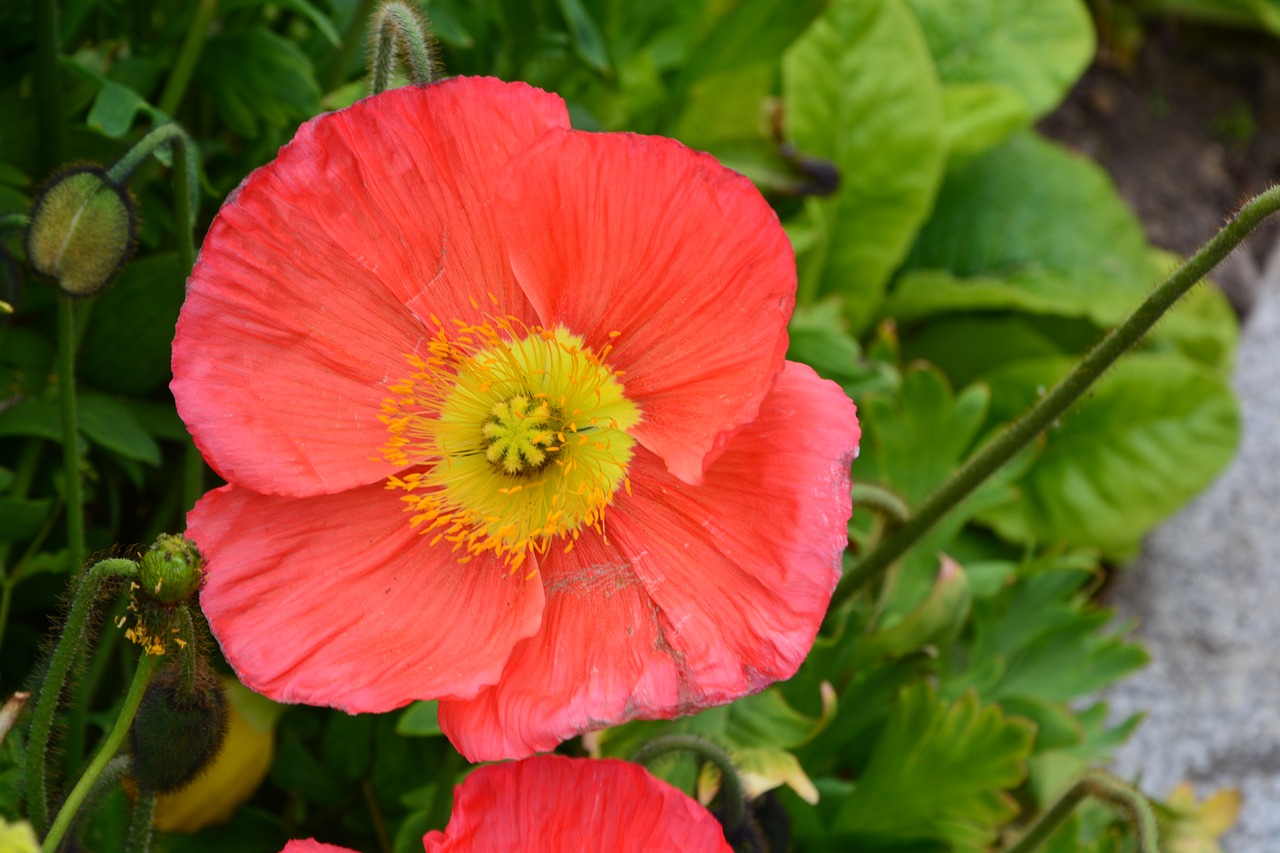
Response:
column 766, row 719
column 939, row 771
column 115, row 108
column 860, row 90
column 255, row 76
column 748, row 32
column 305, row 8
column 1038, row 49
column 1027, row 226
column 1155, row 431
column 109, row 424
column 419, row 720
column 820, row 339
column 32, row 417
column 980, row 116
column 142, row 307
column 22, row 518
column 939, row 617
column 912, row 440
column 587, row 40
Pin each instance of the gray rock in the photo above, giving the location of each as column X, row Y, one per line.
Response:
column 1206, row 592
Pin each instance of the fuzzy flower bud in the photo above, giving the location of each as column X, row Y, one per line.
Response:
column 172, row 570
column 179, row 728
column 82, row 230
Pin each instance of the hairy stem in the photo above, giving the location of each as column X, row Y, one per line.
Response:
column 1053, row 404
column 64, row 653
column 397, row 29
column 734, row 798
column 109, row 747
column 1105, row 788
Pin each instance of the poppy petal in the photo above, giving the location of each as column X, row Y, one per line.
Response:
column 700, row 595
column 576, row 805
column 682, row 258
column 310, row 845
column 318, row 275
column 336, row 600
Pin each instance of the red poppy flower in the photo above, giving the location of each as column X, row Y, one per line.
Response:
column 505, row 420
column 550, row 803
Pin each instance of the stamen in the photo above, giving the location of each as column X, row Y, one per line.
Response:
column 485, row 413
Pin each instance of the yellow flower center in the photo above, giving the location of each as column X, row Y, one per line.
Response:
column 521, row 433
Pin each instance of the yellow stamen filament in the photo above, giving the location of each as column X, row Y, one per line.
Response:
column 507, row 437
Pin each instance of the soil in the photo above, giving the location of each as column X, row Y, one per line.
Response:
column 1188, row 126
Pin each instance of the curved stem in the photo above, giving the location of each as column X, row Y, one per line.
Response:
column 735, row 799
column 1106, row 788
column 881, row 500
column 1052, row 405
column 70, row 433
column 176, row 86
column 64, row 652
column 108, row 749
column 397, row 28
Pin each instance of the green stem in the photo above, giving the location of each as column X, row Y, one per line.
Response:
column 168, row 134
column 140, row 826
column 1051, row 406
column 176, row 86
column 64, row 652
column 108, row 749
column 881, row 500
column 1105, row 788
column 70, row 433
column 734, row 798
column 48, row 89
column 350, row 41
column 397, row 28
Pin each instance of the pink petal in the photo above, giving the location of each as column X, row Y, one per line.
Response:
column 700, row 595
column 319, row 272
column 612, row 232
column 310, row 845
column 551, row 804
column 599, row 658
column 335, row 600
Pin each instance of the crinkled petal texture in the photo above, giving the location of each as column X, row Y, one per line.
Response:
column 673, row 260
column 552, row 804
column 336, row 600
column 434, row 207
column 318, row 275
column 698, row 595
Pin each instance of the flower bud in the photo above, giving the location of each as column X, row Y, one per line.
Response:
column 172, row 570
column 179, row 728
column 82, row 230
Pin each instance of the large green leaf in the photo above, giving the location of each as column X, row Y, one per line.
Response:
column 1027, row 226
column 738, row 33
column 860, row 91
column 1155, row 431
column 1037, row 49
column 143, row 305
column 940, row 771
column 255, row 76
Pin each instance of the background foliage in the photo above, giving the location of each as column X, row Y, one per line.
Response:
column 952, row 263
